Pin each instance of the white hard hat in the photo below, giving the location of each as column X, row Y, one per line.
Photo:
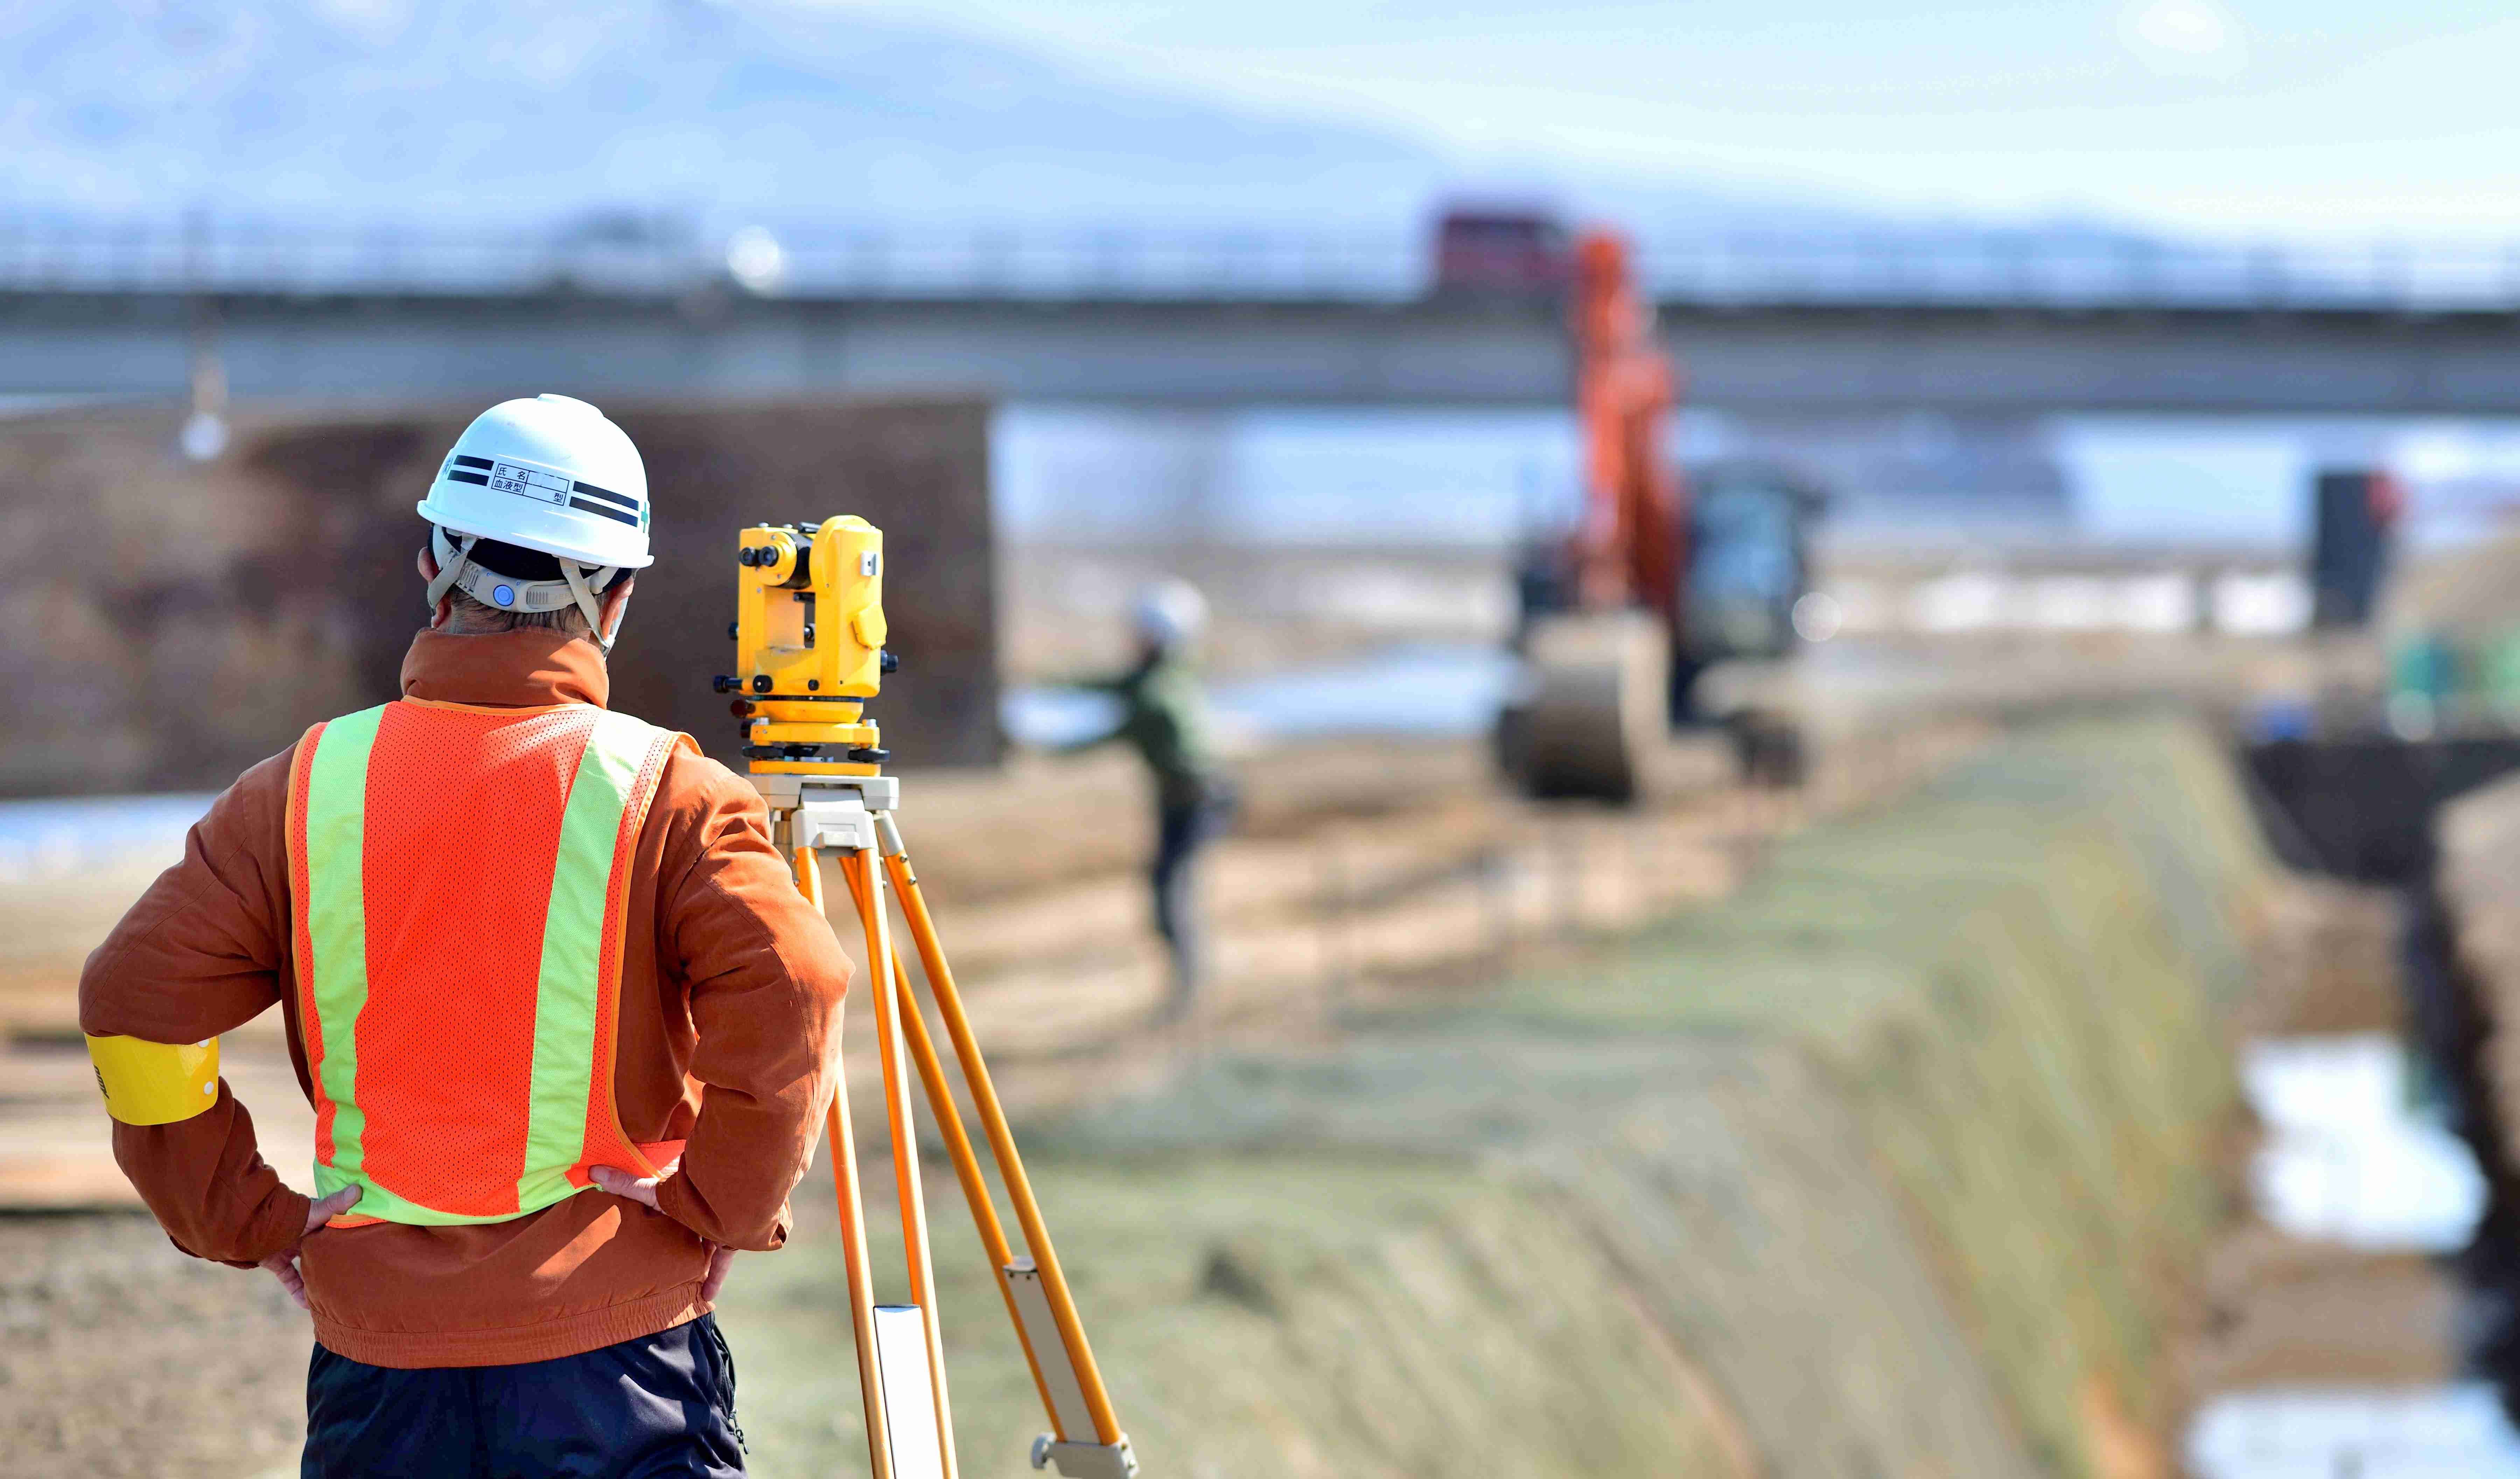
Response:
column 1170, row 613
column 549, row 474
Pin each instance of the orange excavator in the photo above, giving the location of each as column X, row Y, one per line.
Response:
column 1661, row 576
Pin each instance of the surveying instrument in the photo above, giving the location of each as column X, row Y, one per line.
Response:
column 809, row 636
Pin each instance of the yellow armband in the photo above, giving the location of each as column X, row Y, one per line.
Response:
column 154, row 1083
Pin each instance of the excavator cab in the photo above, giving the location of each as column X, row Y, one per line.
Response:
column 1657, row 579
column 1749, row 560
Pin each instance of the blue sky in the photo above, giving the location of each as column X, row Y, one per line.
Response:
column 2292, row 117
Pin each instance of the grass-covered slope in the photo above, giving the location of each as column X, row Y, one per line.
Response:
column 1891, row 1165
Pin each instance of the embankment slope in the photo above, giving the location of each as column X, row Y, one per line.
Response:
column 1897, row 1163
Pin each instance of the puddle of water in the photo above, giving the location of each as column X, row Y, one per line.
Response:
column 1047, row 717
column 2332, row 1433
column 1426, row 689
column 1423, row 688
column 57, row 838
column 2348, row 1159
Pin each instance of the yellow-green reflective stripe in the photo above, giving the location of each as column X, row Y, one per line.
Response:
column 337, row 927
column 376, row 1201
column 565, row 1007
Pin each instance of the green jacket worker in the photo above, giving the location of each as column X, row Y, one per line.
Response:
column 1163, row 717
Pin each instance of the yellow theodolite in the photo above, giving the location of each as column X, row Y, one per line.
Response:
column 809, row 636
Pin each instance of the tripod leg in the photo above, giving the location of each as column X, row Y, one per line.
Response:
column 866, row 890
column 966, row 1162
column 853, row 1245
column 1001, row 1142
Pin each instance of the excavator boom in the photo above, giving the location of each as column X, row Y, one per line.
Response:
column 1627, row 545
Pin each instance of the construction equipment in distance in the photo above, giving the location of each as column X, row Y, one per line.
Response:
column 1620, row 615
column 809, row 637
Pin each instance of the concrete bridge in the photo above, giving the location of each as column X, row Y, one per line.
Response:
column 1778, row 327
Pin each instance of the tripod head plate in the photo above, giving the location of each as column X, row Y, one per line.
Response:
column 784, row 793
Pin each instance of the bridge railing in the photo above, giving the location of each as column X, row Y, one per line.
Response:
column 2110, row 272
column 646, row 256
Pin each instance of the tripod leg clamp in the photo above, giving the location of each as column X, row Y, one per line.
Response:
column 1086, row 1461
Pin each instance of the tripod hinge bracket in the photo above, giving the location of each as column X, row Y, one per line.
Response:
column 809, row 811
column 1086, row 1461
column 842, row 822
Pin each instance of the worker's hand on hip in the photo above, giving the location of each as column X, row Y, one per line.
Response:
column 643, row 1190
column 284, row 1264
column 721, row 1261
column 638, row 1189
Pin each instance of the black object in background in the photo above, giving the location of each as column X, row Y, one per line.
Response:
column 2356, row 515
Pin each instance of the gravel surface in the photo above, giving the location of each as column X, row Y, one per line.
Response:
column 123, row 1357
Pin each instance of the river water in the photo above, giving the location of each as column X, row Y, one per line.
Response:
column 2350, row 1158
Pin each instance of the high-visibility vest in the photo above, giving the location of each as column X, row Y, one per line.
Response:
column 458, row 877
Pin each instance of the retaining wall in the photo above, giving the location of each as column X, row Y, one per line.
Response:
column 164, row 624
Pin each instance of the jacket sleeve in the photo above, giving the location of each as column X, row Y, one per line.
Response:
column 766, row 978
column 197, row 956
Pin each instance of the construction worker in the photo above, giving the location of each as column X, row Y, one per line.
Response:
column 1163, row 717
column 568, row 1025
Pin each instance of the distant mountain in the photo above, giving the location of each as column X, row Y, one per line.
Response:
column 547, row 107
column 523, row 112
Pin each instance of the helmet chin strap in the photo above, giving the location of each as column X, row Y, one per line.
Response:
column 456, row 570
column 452, row 557
column 587, row 604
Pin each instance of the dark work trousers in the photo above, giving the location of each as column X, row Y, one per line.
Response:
column 1182, row 829
column 660, row 1405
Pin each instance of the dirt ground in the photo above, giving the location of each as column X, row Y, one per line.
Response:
column 1362, row 874
column 127, row 1359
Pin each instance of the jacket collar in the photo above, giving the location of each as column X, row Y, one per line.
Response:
column 526, row 668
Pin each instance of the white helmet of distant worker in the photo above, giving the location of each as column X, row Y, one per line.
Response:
column 1170, row 614
column 540, row 503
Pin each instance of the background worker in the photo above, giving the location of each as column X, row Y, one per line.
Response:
column 1163, row 717
column 566, row 1023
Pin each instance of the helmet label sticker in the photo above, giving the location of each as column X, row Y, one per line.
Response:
column 553, row 489
column 527, row 482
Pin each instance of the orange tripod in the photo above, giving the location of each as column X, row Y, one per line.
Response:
column 909, row 1420
column 809, row 639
